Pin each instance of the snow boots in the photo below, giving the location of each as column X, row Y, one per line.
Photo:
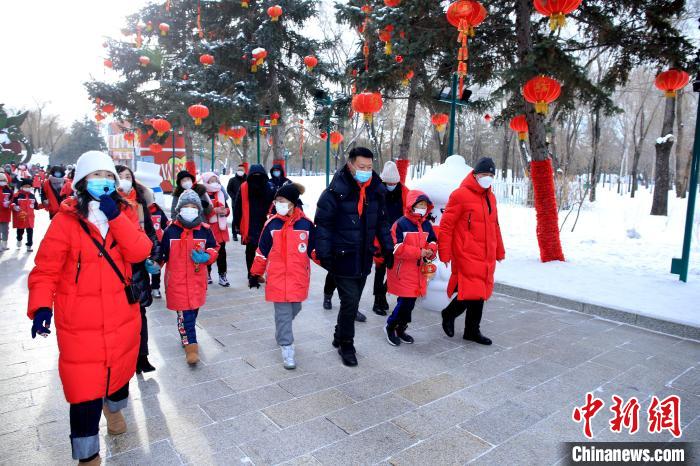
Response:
column 143, row 365
column 192, row 354
column 477, row 337
column 116, row 424
column 288, row 357
column 448, row 322
column 346, row 350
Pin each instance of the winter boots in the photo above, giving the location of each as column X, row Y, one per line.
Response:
column 360, row 317
column 380, row 305
column 192, row 354
column 477, row 337
column 223, row 281
column 327, row 305
column 29, row 248
column 116, row 424
column 346, row 350
column 143, row 365
column 156, row 294
column 288, row 357
column 448, row 322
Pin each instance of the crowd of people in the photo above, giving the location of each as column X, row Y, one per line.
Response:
column 99, row 265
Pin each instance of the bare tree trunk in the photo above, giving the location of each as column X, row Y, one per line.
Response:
column 681, row 155
column 505, row 151
column 595, row 143
column 189, row 148
column 659, row 205
column 409, row 121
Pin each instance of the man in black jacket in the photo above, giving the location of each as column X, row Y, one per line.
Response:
column 233, row 186
column 277, row 176
column 348, row 219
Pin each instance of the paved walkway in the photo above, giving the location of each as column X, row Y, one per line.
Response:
column 439, row 401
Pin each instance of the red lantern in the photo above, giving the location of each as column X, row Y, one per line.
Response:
column 274, row 118
column 385, row 36
column 556, row 10
column 155, row 148
column 149, row 26
column 108, row 108
column 671, row 81
column 366, row 9
column 519, row 124
column 108, row 63
column 440, row 121
column 161, row 126
column 310, row 61
column 129, row 136
column 407, row 77
column 164, row 29
column 541, row 91
column 367, row 103
column 99, row 117
column 487, row 117
column 336, row 139
column 144, row 60
column 323, row 135
column 392, row 3
column 237, row 133
column 466, row 15
column 244, row 3
column 198, row 112
column 206, row 59
column 399, row 59
column 274, row 12
column 259, row 55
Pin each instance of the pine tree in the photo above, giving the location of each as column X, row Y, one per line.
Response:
column 84, row 136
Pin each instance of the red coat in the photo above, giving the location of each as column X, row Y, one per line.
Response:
column 470, row 238
column 67, row 189
column 37, row 180
column 52, row 197
column 185, row 281
column 284, row 249
column 218, row 223
column 5, row 199
column 24, row 217
column 96, row 328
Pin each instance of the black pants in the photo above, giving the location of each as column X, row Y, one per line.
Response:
column 474, row 310
column 143, row 346
column 350, row 292
column 380, row 284
column 330, row 286
column 220, row 260
column 155, row 281
column 402, row 312
column 250, row 256
column 30, row 235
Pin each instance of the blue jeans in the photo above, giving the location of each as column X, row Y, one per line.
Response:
column 402, row 312
column 186, row 321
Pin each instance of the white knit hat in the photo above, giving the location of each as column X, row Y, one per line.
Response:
column 390, row 174
column 92, row 161
column 206, row 176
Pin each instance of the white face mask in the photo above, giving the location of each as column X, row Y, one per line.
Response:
column 188, row 214
column 485, row 181
column 240, row 173
column 420, row 212
column 186, row 184
column 282, row 208
column 27, row 190
column 125, row 185
column 3, row 183
column 212, row 187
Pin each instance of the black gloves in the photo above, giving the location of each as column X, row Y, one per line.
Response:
column 109, row 207
column 389, row 259
column 42, row 322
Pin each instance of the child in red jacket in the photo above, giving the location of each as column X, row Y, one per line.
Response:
column 160, row 222
column 5, row 210
column 23, row 205
column 283, row 254
column 187, row 248
column 415, row 246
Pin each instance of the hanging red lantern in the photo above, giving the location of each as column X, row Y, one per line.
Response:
column 144, row 60
column 519, row 124
column 164, row 29
column 98, row 101
column 129, row 136
column 259, row 55
column 465, row 15
column 155, row 148
column 237, row 133
column 149, row 26
column 161, row 126
column 99, row 117
column 108, row 108
column 385, row 36
column 366, row 9
column 274, row 12
column 556, row 10
column 671, row 81
column 367, row 103
column 185, row 77
column 392, row 3
column 323, row 135
column 407, row 77
column 206, row 59
column 398, row 58
column 310, row 61
column 440, row 120
column 487, row 117
column 108, row 63
column 274, row 118
column 336, row 139
column 198, row 112
column 541, row 91
column 244, row 3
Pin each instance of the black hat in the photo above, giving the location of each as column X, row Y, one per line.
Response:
column 485, row 165
column 291, row 192
column 181, row 175
column 360, row 152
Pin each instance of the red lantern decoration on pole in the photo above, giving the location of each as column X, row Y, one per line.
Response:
column 367, row 103
column 392, row 3
column 310, row 61
column 161, row 126
column 164, row 29
column 465, row 15
column 144, row 61
column 519, row 124
column 206, row 59
column 541, row 91
column 336, row 139
column 440, row 120
column 108, row 108
column 274, row 12
column 323, row 135
column 487, row 117
column 407, row 77
column 198, row 112
column 385, row 36
column 556, row 10
column 237, row 133
column 274, row 118
column 671, row 81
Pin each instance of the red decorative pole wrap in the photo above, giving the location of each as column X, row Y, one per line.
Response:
column 402, row 165
column 546, row 207
column 191, row 167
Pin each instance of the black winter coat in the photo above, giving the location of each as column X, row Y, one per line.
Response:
column 261, row 193
column 139, row 275
column 234, row 185
column 278, row 182
column 394, row 204
column 344, row 239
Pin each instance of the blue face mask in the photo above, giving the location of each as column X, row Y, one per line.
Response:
column 363, row 176
column 276, row 173
column 100, row 186
column 391, row 187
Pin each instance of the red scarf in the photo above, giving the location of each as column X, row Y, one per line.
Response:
column 361, row 200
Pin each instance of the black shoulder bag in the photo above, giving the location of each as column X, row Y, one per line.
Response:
column 132, row 293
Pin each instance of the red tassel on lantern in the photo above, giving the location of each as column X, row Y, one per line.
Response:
column 546, row 210
column 402, row 166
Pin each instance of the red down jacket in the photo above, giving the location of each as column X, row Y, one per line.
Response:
column 24, row 217
column 470, row 238
column 5, row 200
column 285, row 245
column 185, row 281
column 411, row 235
column 96, row 328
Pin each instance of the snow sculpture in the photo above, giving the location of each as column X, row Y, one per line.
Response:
column 438, row 184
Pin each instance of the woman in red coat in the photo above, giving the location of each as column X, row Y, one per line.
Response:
column 470, row 238
column 97, row 320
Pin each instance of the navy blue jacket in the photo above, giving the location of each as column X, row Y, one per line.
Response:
column 344, row 239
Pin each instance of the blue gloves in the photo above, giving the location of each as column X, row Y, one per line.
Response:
column 109, row 207
column 152, row 267
column 42, row 322
column 200, row 257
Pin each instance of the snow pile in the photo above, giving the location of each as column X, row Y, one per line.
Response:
column 664, row 139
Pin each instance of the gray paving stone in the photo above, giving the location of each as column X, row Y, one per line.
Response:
column 452, row 447
column 370, row 412
column 437, row 416
column 307, row 407
column 240, row 403
column 156, row 453
column 383, row 382
column 500, row 423
column 431, row 389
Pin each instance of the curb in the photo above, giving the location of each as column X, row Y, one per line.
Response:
column 617, row 315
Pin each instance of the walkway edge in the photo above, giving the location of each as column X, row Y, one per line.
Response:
column 618, row 315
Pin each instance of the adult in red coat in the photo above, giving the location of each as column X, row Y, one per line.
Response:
column 97, row 324
column 470, row 238
column 51, row 190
